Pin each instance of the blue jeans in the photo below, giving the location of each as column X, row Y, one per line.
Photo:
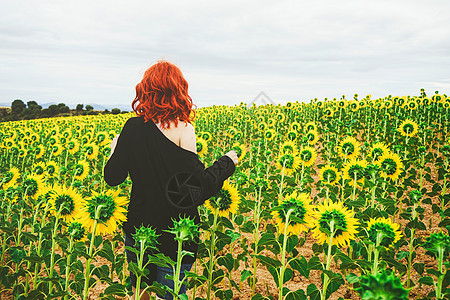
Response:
column 161, row 272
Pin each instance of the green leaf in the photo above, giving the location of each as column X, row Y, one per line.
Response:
column 292, row 241
column 268, row 261
column 352, row 278
column 116, row 289
column 419, row 267
column 288, row 273
column 402, row 254
column 134, row 268
column 227, row 261
column 427, row 280
column 274, row 273
column 296, row 295
column 245, row 274
column 224, row 294
column 301, row 265
column 315, row 263
column 313, row 292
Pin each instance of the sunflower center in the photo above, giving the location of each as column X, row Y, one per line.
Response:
column 348, row 148
column 408, row 128
column 288, row 161
column 51, row 169
column 268, row 134
column 71, row 145
column 291, row 135
column 389, row 166
column 79, row 170
column 31, row 186
column 356, row 171
column 67, row 204
column 107, row 211
column 310, row 136
column 299, row 210
column 288, row 149
column 222, row 200
column 8, row 177
column 306, row 155
column 387, row 233
column 329, row 175
column 340, row 224
column 90, row 150
column 377, row 152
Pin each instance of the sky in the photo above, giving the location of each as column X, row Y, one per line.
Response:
column 229, row 51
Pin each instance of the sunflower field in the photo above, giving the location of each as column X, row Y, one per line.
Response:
column 333, row 199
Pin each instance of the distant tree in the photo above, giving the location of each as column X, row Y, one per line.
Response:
column 106, row 111
column 80, row 107
column 63, row 108
column 33, row 104
column 17, row 107
column 89, row 107
column 115, row 111
column 53, row 110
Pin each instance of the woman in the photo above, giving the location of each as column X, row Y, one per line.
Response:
column 158, row 149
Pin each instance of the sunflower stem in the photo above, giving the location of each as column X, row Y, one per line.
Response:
column 91, row 247
column 69, row 255
column 376, row 253
column 52, row 255
column 328, row 262
column 257, row 220
column 212, row 252
column 283, row 256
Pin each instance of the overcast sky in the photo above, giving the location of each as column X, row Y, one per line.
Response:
column 229, row 51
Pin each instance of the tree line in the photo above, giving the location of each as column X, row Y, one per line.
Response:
column 32, row 110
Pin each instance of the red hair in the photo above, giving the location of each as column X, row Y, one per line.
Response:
column 162, row 95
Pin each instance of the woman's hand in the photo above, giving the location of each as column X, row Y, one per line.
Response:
column 114, row 144
column 233, row 155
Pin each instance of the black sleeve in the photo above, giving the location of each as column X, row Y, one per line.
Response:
column 212, row 178
column 116, row 169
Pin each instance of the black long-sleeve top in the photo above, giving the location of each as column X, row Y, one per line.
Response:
column 168, row 181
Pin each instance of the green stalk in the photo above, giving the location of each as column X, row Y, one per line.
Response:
column 52, row 255
column 411, row 248
column 87, row 273
column 140, row 265
column 66, row 297
column 211, row 253
column 327, row 266
column 376, row 254
column 176, row 279
column 283, row 257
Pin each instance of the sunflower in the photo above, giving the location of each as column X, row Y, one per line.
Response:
column 354, row 169
column 328, row 112
column 202, row 146
column 39, row 151
column 52, row 169
column 308, row 156
column 271, row 122
column 73, row 146
column 310, row 126
column 226, row 200
column 295, row 126
column 343, row 223
column 33, row 186
column 301, row 209
column 312, row 136
column 408, row 128
column 349, row 148
column 91, row 151
column 56, row 149
column 289, row 147
column 112, row 213
column 67, row 200
column 290, row 162
column 330, row 175
column 240, row 149
column 377, row 150
column 291, row 135
column 389, row 232
column 206, row 136
column 102, row 138
column 231, row 132
column 280, row 117
column 10, row 178
column 81, row 170
column 269, row 134
column 38, row 168
column 354, row 106
column 390, row 165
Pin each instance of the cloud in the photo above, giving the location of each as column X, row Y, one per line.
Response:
column 96, row 51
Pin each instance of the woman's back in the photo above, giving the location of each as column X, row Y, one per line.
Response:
column 181, row 134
